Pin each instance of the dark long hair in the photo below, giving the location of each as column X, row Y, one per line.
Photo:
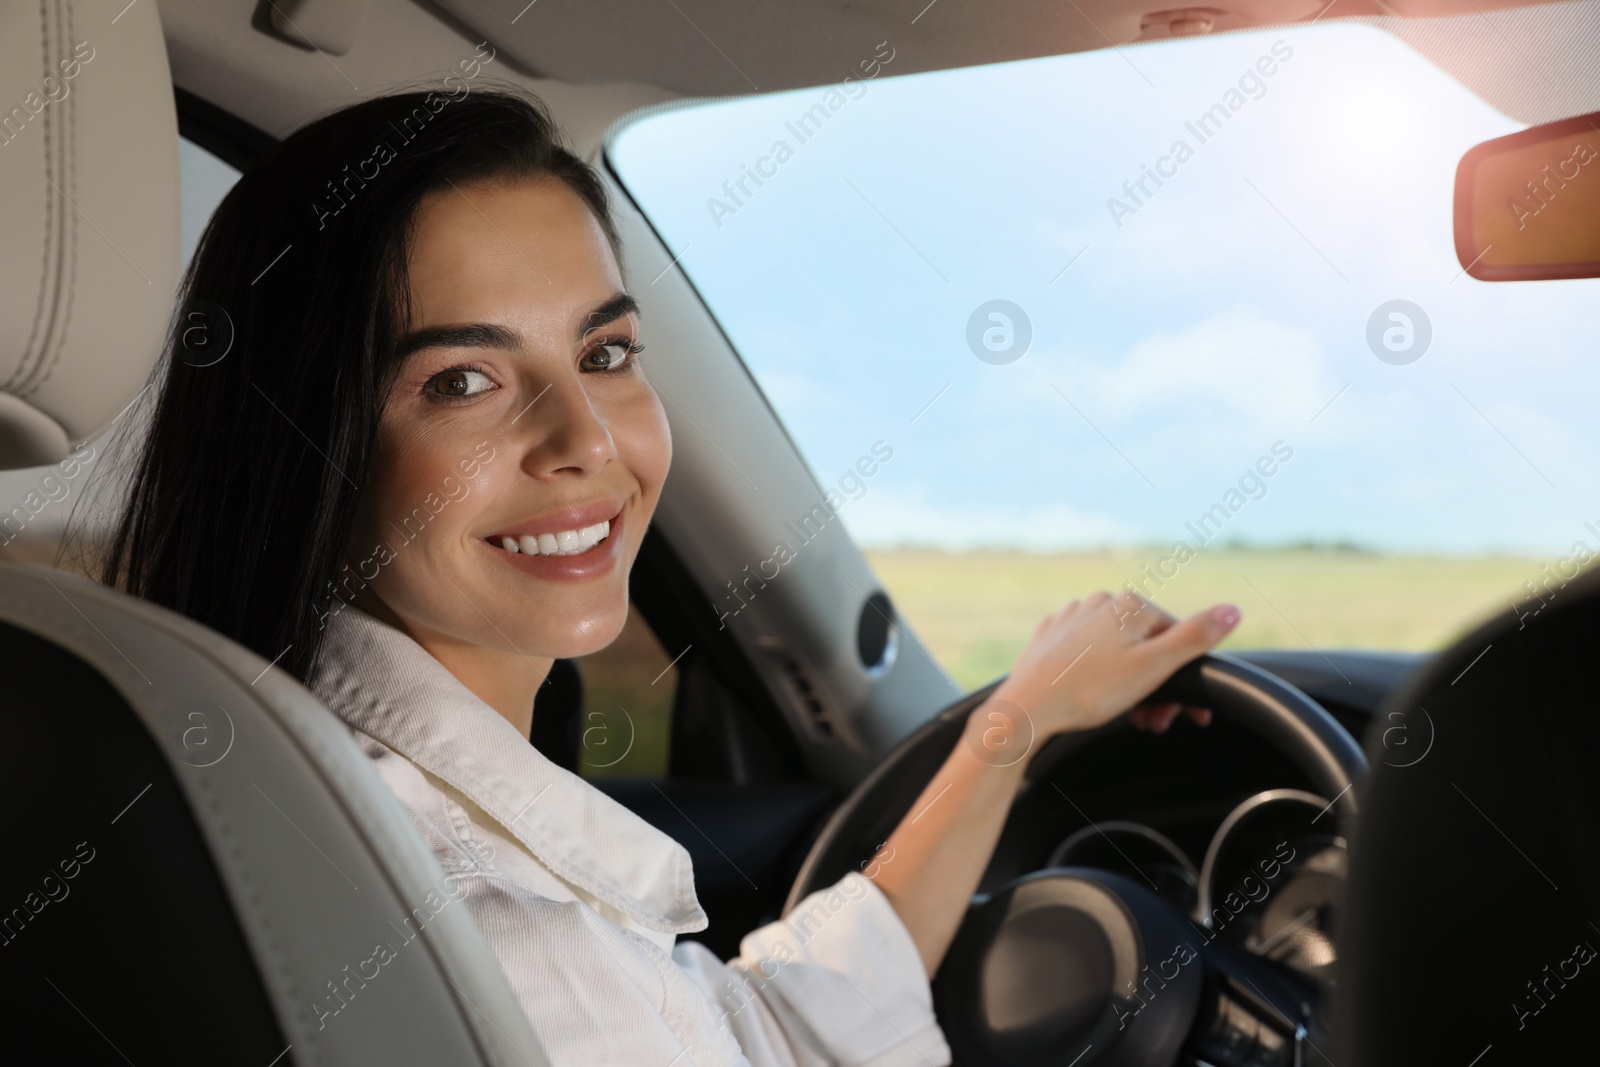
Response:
column 272, row 382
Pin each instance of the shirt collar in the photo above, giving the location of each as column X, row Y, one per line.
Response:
column 384, row 684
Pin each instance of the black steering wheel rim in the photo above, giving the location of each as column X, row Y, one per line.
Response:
column 1280, row 713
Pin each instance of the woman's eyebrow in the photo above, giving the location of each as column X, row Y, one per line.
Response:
column 613, row 309
column 477, row 335
column 489, row 335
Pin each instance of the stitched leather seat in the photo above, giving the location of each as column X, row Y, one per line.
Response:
column 202, row 866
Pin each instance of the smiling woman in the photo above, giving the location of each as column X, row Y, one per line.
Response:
column 541, row 360
column 242, row 503
column 421, row 474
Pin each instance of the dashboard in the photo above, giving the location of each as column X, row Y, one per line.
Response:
column 1270, row 880
column 1273, row 880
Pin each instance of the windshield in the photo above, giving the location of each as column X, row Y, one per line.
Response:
column 1185, row 315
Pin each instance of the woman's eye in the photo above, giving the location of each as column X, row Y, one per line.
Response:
column 458, row 383
column 613, row 357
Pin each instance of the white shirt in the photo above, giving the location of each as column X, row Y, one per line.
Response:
column 582, row 901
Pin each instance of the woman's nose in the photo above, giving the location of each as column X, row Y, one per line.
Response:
column 562, row 430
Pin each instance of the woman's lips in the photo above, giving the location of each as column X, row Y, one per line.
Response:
column 582, row 566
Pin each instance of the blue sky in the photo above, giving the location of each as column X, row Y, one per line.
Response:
column 1222, row 315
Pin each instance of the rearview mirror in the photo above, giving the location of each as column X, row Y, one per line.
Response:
column 1528, row 205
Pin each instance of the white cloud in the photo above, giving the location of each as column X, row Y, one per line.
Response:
column 1237, row 362
column 887, row 517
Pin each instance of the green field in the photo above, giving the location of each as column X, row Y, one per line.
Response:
column 975, row 610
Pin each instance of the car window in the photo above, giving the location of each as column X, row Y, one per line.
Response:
column 1184, row 315
column 628, row 692
column 203, row 180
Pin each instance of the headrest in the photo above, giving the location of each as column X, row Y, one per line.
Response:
column 90, row 216
column 1475, row 871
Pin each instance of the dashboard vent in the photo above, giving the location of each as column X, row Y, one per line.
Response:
column 807, row 694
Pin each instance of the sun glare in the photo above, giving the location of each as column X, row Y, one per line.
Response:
column 1372, row 126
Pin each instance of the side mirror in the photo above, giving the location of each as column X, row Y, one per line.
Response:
column 1528, row 205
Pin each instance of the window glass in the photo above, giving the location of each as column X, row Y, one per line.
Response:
column 628, row 689
column 204, row 181
column 1185, row 315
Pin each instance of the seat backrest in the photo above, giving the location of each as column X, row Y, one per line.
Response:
column 202, row 865
column 1474, row 894
column 113, row 857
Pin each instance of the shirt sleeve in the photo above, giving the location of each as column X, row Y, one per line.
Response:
column 837, row 981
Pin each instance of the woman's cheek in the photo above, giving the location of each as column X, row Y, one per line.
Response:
column 646, row 439
column 408, row 490
column 447, row 456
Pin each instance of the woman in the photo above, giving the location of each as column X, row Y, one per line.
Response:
column 421, row 473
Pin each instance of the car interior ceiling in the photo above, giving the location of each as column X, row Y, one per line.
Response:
column 760, row 755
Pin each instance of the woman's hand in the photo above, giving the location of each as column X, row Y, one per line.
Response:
column 1101, row 656
column 1086, row 664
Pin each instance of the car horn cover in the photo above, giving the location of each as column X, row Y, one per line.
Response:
column 1070, row 966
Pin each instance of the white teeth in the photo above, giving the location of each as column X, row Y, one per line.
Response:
column 565, row 543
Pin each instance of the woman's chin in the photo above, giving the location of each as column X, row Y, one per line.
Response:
column 532, row 630
column 568, row 636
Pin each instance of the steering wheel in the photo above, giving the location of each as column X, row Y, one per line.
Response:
column 1072, row 966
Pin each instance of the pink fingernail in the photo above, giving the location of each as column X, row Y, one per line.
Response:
column 1226, row 615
